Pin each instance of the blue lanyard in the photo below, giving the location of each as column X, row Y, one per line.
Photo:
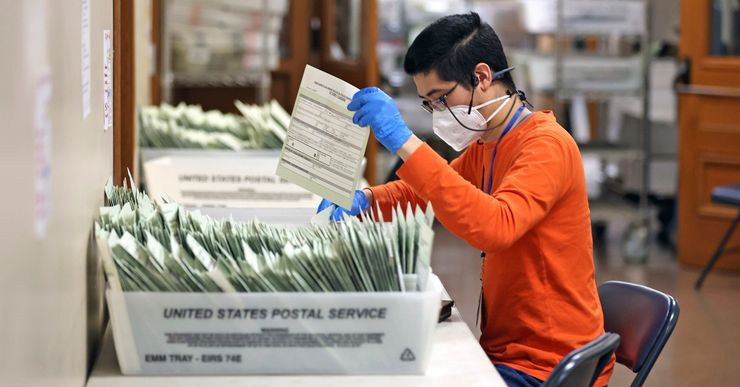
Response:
column 508, row 127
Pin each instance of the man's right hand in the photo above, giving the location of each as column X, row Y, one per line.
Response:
column 360, row 204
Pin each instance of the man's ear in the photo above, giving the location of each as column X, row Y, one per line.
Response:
column 484, row 74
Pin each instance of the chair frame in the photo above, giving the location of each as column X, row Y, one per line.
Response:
column 602, row 348
column 642, row 370
column 718, row 252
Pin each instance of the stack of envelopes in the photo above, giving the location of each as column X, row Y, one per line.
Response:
column 161, row 247
column 188, row 126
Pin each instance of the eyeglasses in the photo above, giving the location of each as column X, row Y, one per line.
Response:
column 439, row 104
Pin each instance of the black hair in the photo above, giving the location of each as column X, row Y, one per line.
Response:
column 453, row 46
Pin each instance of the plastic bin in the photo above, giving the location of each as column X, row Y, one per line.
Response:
column 274, row 333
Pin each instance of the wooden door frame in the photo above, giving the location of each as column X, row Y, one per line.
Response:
column 368, row 60
column 369, row 31
column 124, row 109
column 124, row 114
column 155, row 85
column 299, row 41
column 704, row 140
column 369, row 56
column 695, row 35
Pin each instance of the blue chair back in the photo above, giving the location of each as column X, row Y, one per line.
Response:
column 644, row 319
column 583, row 366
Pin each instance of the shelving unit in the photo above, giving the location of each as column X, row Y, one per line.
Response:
column 252, row 56
column 607, row 64
column 636, row 22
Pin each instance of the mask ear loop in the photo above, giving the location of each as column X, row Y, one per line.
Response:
column 509, row 99
column 494, row 113
column 474, row 81
column 511, row 109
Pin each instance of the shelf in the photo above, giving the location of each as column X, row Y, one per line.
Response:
column 610, row 151
column 590, row 75
column 218, row 79
column 566, row 93
column 592, row 17
column 611, row 204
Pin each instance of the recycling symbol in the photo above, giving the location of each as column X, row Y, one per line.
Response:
column 407, row 355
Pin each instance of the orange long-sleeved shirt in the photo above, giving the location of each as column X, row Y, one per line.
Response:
column 539, row 293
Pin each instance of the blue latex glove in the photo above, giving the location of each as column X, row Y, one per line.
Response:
column 375, row 108
column 359, row 204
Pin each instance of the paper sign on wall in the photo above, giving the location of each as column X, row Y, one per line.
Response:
column 38, row 69
column 85, row 27
column 42, row 155
column 107, row 80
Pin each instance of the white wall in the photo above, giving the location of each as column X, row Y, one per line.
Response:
column 43, row 277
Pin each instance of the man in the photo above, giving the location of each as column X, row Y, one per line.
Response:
column 517, row 193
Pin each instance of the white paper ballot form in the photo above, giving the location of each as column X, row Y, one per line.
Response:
column 323, row 151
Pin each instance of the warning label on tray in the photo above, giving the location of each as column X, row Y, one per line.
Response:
column 274, row 338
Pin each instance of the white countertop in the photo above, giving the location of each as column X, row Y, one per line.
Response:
column 456, row 360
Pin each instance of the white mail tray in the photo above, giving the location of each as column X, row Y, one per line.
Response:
column 159, row 333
